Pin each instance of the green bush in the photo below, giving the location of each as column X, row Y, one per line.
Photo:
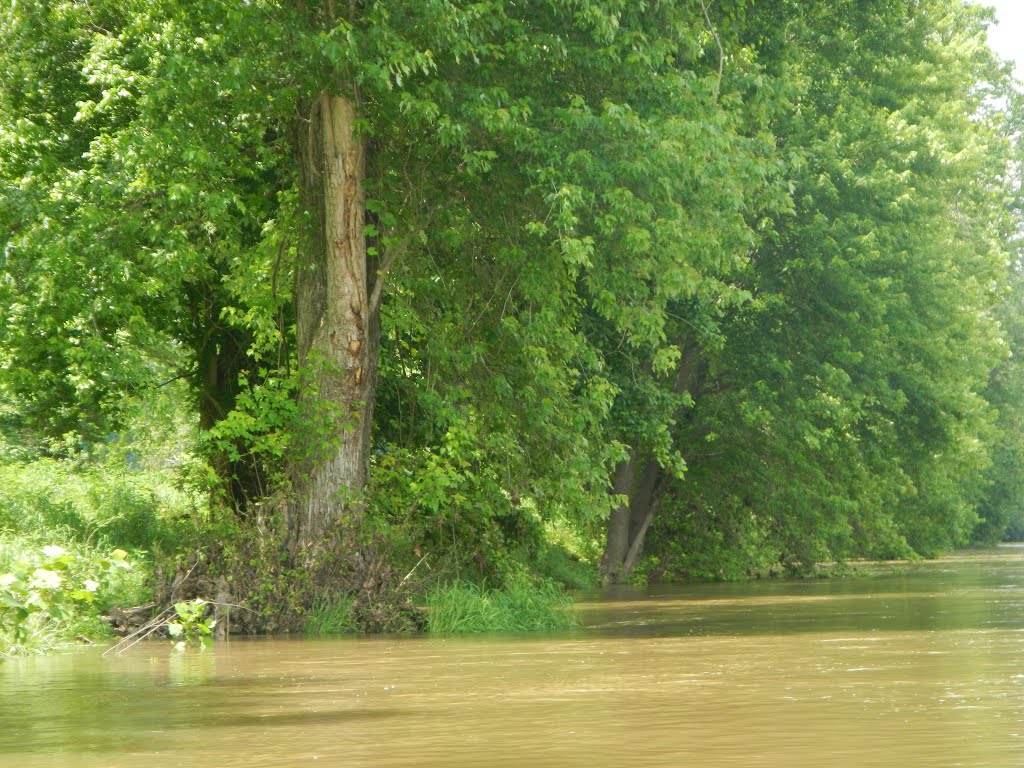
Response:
column 561, row 566
column 569, row 554
column 192, row 623
column 462, row 607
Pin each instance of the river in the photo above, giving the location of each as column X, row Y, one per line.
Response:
column 920, row 665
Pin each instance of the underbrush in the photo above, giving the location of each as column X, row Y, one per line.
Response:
column 115, row 524
column 568, row 556
column 80, row 534
column 466, row 608
column 93, row 504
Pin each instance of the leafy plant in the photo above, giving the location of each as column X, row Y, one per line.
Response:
column 52, row 588
column 192, row 626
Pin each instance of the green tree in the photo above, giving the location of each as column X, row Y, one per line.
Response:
column 353, row 169
column 845, row 413
column 1002, row 507
column 436, row 270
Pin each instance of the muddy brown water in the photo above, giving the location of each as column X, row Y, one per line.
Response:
column 919, row 666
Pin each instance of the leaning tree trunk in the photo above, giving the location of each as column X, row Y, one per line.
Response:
column 617, row 541
column 337, row 331
column 628, row 524
column 643, row 483
column 644, row 506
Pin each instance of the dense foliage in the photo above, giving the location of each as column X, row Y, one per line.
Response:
column 428, row 292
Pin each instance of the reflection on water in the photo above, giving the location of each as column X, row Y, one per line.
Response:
column 917, row 667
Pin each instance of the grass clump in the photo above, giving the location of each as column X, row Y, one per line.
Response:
column 465, row 608
column 331, row 616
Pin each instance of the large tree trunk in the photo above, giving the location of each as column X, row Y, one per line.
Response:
column 336, row 328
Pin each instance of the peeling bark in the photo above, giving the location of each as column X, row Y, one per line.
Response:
column 336, row 327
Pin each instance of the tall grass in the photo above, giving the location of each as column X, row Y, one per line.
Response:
column 331, row 616
column 38, row 636
column 100, row 505
column 462, row 607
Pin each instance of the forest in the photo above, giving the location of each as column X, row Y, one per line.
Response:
column 320, row 314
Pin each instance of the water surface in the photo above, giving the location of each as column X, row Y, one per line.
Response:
column 916, row 666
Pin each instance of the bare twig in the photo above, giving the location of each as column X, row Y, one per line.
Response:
column 509, row 297
column 173, row 379
column 390, row 257
column 410, row 573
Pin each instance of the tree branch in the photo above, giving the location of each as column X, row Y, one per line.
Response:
column 718, row 42
column 388, row 262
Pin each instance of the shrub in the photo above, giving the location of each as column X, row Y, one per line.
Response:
column 192, row 623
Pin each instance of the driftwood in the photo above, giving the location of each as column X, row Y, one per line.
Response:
column 124, row 621
column 155, row 624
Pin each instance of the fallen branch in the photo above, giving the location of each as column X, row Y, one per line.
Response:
column 142, row 633
column 410, row 573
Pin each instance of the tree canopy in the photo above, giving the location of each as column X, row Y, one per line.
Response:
column 715, row 287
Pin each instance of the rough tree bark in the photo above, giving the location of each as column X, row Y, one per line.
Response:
column 337, row 330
